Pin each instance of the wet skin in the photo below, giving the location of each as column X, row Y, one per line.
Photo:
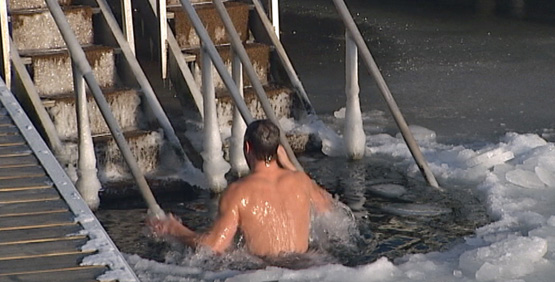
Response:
column 271, row 207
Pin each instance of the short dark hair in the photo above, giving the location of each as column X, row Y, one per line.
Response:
column 263, row 137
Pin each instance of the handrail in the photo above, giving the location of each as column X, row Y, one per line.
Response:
column 46, row 123
column 149, row 94
column 5, row 42
column 290, row 70
column 386, row 93
column 127, row 23
column 80, row 60
column 251, row 73
column 176, row 52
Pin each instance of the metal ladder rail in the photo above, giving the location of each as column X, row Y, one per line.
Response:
column 209, row 47
column 386, row 93
column 79, row 59
column 239, row 50
column 141, row 78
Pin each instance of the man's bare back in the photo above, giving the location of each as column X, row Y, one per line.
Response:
column 271, row 207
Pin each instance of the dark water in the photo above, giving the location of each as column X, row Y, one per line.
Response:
column 467, row 70
column 381, row 230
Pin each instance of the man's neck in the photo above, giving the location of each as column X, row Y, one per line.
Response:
column 265, row 167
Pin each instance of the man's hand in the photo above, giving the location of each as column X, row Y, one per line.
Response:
column 168, row 226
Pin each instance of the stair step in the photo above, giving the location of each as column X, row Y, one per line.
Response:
column 281, row 99
column 52, row 73
column 186, row 35
column 146, row 146
column 36, row 29
column 259, row 55
column 125, row 105
column 171, row 3
column 15, row 5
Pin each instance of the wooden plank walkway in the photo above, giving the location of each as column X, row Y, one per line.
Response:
column 43, row 222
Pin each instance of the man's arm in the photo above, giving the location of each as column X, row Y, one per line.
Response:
column 320, row 198
column 218, row 239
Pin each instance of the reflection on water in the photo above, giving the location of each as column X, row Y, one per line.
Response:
column 413, row 218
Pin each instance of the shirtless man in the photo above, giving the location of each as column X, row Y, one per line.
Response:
column 271, row 206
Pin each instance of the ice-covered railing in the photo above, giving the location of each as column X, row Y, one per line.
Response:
column 83, row 73
column 354, row 134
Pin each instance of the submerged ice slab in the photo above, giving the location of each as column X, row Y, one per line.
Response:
column 388, row 190
column 414, row 209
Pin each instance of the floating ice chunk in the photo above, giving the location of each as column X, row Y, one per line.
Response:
column 421, row 134
column 521, row 143
column 524, row 178
column 546, row 176
column 491, row 158
column 414, row 209
column 340, row 113
column 388, row 190
column 508, row 259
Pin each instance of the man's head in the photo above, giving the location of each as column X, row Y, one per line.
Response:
column 262, row 140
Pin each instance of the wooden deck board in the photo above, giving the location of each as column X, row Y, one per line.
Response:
column 32, row 221
column 40, row 249
column 32, row 195
column 18, row 161
column 35, row 234
column 81, row 274
column 58, row 261
column 11, row 140
column 11, row 151
column 32, row 207
column 5, row 120
column 8, row 130
column 21, row 172
column 25, row 183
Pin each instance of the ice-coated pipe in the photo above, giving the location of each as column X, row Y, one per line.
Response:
column 353, row 132
column 240, row 51
column 214, row 165
column 141, row 78
column 238, row 127
column 80, row 60
column 87, row 183
column 386, row 93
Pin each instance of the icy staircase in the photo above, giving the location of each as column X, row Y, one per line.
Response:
column 280, row 96
column 43, row 51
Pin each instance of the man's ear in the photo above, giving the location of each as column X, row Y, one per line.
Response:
column 247, row 147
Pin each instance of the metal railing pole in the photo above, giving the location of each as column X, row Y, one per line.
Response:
column 149, row 94
column 238, row 127
column 45, row 120
column 163, row 25
column 87, row 183
column 5, row 42
column 251, row 74
column 293, row 77
column 181, row 63
column 353, row 132
column 386, row 93
column 80, row 60
column 214, row 165
column 217, row 60
column 127, row 22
